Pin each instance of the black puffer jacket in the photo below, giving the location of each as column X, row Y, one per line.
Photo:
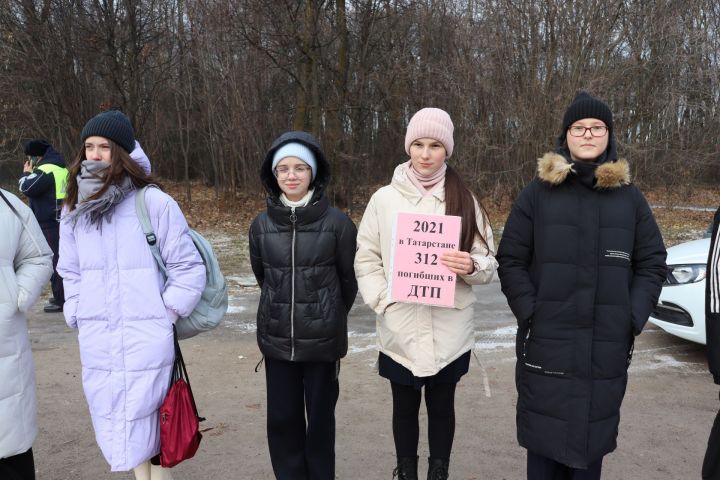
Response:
column 303, row 263
column 582, row 263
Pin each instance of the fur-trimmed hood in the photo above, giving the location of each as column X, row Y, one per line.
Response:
column 553, row 168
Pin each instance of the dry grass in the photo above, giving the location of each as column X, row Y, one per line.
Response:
column 232, row 214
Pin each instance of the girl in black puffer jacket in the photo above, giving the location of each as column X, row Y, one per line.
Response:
column 302, row 253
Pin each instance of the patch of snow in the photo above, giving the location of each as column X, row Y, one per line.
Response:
column 502, row 337
column 659, row 362
column 361, row 349
column 242, row 327
column 243, row 280
column 486, row 345
column 236, row 309
column 686, row 207
column 354, row 334
column 509, row 331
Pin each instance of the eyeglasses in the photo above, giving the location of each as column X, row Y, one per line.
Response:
column 299, row 171
column 595, row 131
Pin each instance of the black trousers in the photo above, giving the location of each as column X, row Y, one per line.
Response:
column 52, row 236
column 440, row 403
column 543, row 468
column 18, row 467
column 711, row 463
column 297, row 391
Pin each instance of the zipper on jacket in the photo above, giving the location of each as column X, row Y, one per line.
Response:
column 293, row 219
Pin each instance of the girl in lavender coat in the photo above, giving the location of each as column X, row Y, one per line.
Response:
column 122, row 306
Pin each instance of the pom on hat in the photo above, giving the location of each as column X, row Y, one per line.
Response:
column 36, row 148
column 585, row 105
column 113, row 125
column 431, row 123
column 297, row 150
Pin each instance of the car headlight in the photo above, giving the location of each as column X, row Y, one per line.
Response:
column 684, row 274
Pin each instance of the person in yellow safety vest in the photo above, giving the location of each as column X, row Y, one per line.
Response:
column 43, row 181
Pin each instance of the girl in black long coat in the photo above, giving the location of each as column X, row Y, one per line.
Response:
column 582, row 263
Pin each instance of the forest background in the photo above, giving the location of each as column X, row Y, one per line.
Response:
column 209, row 84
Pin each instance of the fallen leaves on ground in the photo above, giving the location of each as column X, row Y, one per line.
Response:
column 234, row 211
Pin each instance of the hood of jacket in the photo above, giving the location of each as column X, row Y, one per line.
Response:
column 54, row 157
column 141, row 158
column 553, row 168
column 322, row 176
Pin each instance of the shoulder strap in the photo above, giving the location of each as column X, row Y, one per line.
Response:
column 14, row 210
column 142, row 214
column 22, row 222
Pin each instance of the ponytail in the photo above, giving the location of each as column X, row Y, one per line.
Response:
column 460, row 201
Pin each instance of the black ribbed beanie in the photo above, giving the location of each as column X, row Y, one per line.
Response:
column 113, row 125
column 36, row 148
column 585, row 105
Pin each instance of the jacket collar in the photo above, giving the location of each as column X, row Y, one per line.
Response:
column 553, row 168
column 52, row 157
column 310, row 213
column 402, row 184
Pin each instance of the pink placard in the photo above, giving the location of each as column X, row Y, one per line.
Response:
column 417, row 274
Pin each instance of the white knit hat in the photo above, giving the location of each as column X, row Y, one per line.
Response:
column 297, row 150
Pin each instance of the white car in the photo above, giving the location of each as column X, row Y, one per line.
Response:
column 681, row 308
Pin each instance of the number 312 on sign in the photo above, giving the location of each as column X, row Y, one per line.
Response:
column 417, row 275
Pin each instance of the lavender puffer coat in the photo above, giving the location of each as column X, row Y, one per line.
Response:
column 124, row 311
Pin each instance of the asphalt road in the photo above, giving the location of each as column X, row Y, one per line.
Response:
column 666, row 417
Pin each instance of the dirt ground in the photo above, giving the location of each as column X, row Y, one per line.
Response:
column 668, row 410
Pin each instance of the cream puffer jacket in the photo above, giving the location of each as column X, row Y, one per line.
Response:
column 422, row 338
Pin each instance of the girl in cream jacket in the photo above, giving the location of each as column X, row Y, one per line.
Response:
column 422, row 345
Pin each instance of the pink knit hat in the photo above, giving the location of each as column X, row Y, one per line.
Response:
column 431, row 123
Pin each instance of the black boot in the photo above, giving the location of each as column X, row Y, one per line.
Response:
column 407, row 468
column 438, row 469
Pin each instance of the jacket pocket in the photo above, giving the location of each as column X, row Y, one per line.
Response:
column 547, row 356
column 526, row 337
column 390, row 307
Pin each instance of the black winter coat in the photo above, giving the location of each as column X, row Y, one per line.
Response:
column 712, row 302
column 39, row 187
column 582, row 263
column 303, row 262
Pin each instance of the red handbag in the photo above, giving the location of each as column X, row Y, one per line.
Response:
column 179, row 421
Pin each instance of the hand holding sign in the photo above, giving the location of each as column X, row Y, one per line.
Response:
column 458, row 262
column 426, row 260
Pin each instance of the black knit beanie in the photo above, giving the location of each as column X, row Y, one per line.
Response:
column 36, row 148
column 585, row 105
column 113, row 125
